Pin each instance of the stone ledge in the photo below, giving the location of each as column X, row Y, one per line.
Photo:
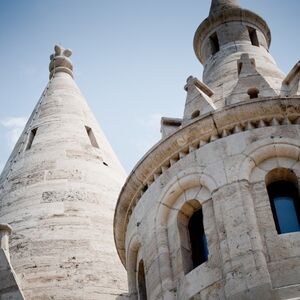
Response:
column 205, row 129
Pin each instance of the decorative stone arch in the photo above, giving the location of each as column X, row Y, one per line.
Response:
column 265, row 155
column 191, row 184
column 134, row 254
column 265, row 161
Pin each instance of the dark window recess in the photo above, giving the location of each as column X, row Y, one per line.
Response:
column 214, row 43
column 253, row 93
column 91, row 137
column 198, row 239
column 253, row 36
column 195, row 114
column 31, row 138
column 142, row 281
column 285, row 206
column 240, row 67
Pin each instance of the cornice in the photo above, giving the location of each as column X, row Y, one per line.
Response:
column 202, row 131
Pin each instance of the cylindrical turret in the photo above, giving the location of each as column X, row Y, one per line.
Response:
column 221, row 39
column 212, row 211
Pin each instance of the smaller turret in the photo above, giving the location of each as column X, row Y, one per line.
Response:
column 60, row 62
column 219, row 43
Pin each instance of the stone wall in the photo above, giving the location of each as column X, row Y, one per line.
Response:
column 248, row 259
column 59, row 196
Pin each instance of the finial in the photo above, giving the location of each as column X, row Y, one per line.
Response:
column 221, row 5
column 60, row 62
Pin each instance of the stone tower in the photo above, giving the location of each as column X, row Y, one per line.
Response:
column 212, row 211
column 58, row 192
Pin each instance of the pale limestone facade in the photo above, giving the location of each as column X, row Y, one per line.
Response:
column 239, row 132
column 58, row 193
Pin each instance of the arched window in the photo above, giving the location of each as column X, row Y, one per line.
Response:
column 198, row 239
column 141, row 281
column 253, row 93
column 283, row 192
column 194, row 247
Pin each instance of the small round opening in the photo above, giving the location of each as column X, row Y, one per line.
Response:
column 253, row 93
column 195, row 114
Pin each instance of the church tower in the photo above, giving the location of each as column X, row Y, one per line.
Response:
column 212, row 211
column 58, row 192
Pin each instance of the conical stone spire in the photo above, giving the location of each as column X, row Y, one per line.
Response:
column 58, row 192
column 221, row 5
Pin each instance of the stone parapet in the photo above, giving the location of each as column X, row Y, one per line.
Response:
column 204, row 130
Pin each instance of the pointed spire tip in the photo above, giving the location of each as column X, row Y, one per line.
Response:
column 221, row 5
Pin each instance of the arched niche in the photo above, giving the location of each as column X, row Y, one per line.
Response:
column 193, row 241
column 133, row 257
column 266, row 162
column 282, row 186
column 188, row 185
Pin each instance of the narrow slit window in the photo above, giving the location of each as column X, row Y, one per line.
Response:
column 142, row 281
column 198, row 239
column 92, row 137
column 214, row 43
column 253, row 36
column 31, row 138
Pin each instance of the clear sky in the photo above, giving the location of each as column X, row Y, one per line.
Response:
column 131, row 60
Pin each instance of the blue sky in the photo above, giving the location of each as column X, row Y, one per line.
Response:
column 131, row 60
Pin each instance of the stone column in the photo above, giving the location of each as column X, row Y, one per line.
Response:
column 244, row 263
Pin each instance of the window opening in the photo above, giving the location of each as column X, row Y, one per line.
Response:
column 31, row 138
column 214, row 42
column 253, row 36
column 285, row 204
column 91, row 137
column 198, row 239
column 195, row 114
column 253, row 93
column 142, row 281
